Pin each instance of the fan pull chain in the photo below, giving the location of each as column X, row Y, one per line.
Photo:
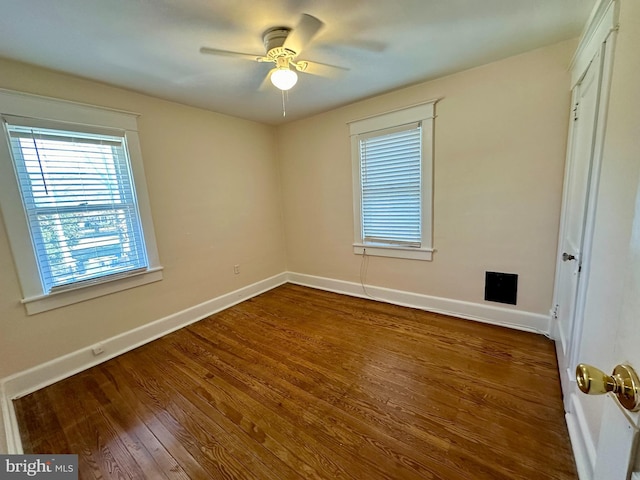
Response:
column 284, row 109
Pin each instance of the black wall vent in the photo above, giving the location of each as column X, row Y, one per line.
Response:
column 501, row 287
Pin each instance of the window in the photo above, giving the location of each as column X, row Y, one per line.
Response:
column 74, row 201
column 392, row 172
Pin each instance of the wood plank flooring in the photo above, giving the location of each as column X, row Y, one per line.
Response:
column 304, row 384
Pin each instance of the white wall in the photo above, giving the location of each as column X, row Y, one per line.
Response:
column 500, row 137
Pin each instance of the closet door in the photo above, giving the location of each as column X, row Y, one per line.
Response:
column 578, row 182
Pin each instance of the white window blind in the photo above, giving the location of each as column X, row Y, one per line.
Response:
column 390, row 162
column 80, row 204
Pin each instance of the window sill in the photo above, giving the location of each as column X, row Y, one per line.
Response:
column 393, row 251
column 62, row 298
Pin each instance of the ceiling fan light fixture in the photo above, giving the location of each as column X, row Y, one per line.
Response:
column 284, row 78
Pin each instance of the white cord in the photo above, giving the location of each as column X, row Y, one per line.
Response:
column 364, row 266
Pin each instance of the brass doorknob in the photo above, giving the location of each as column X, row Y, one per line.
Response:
column 623, row 383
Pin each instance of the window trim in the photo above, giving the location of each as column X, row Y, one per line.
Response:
column 423, row 113
column 81, row 116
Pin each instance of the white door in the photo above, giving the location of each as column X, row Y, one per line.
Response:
column 604, row 435
column 616, row 453
column 577, row 185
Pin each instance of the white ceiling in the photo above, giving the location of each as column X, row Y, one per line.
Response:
column 152, row 46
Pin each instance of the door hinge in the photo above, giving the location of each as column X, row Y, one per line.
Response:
column 575, row 112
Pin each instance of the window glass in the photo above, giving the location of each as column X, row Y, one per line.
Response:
column 391, row 187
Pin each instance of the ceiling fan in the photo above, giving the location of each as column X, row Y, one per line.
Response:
column 283, row 45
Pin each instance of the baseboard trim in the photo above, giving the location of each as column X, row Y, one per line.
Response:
column 28, row 381
column 584, row 449
column 506, row 317
column 10, row 423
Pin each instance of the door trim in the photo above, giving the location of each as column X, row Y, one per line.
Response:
column 582, row 443
column 602, row 21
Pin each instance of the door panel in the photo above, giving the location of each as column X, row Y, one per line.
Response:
column 616, row 434
column 628, row 337
column 618, row 439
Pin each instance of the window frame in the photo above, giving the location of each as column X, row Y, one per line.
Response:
column 424, row 114
column 69, row 115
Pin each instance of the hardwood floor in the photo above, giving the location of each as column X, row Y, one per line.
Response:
column 304, row 384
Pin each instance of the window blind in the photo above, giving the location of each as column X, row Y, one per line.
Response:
column 80, row 204
column 390, row 163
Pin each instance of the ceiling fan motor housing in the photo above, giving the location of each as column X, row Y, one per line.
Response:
column 274, row 39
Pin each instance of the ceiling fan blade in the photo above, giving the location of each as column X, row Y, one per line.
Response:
column 266, row 83
column 303, row 33
column 322, row 69
column 229, row 53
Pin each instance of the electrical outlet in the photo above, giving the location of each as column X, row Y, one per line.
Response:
column 98, row 349
column 236, row 269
